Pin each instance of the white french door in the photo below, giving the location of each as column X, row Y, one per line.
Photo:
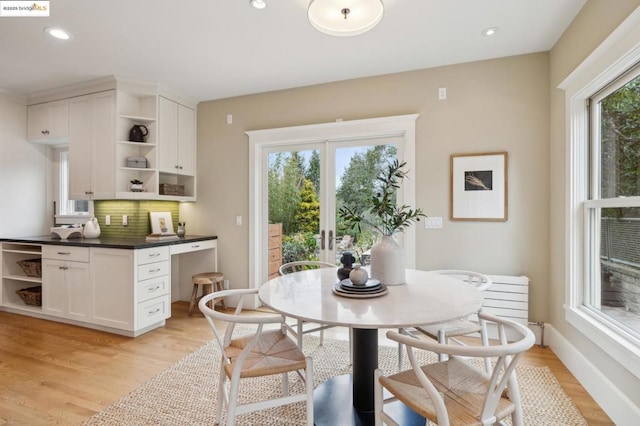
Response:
column 337, row 149
column 307, row 184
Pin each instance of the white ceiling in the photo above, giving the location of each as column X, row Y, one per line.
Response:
column 212, row 49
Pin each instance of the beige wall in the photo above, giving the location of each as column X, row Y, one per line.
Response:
column 494, row 105
column 592, row 25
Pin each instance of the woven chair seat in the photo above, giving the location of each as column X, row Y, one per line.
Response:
column 455, row 328
column 462, row 386
column 274, row 353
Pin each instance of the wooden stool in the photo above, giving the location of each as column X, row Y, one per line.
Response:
column 206, row 280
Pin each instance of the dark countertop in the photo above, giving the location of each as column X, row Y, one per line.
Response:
column 108, row 242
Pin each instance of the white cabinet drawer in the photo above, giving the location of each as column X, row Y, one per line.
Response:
column 148, row 289
column 152, row 311
column 153, row 254
column 75, row 254
column 193, row 246
column 153, row 270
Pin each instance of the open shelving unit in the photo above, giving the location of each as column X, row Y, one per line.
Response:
column 14, row 278
column 136, row 108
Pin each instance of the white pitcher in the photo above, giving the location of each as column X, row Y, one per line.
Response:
column 91, row 228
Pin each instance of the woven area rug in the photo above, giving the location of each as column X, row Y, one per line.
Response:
column 185, row 394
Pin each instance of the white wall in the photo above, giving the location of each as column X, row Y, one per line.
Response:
column 22, row 174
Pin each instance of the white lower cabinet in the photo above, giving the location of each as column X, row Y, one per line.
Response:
column 68, row 290
column 152, row 285
column 120, row 289
column 112, row 276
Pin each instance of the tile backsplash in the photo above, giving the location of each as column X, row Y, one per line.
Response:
column 137, row 216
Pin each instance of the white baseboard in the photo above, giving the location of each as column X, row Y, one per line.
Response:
column 613, row 401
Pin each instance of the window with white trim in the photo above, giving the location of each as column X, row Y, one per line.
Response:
column 65, row 206
column 603, row 200
column 612, row 212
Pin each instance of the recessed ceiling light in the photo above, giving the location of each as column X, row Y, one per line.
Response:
column 258, row 4
column 488, row 32
column 58, row 33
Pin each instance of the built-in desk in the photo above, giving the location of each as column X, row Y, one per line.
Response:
column 121, row 285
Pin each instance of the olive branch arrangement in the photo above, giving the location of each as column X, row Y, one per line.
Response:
column 393, row 218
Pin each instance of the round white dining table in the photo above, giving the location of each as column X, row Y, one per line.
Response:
column 425, row 298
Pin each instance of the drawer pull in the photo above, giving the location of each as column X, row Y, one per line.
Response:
column 154, row 270
column 64, row 252
column 64, row 268
column 154, row 255
column 154, row 312
column 154, row 289
column 195, row 246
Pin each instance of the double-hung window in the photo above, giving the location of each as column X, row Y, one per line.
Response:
column 603, row 197
column 612, row 210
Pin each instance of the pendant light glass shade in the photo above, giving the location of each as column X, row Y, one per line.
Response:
column 345, row 17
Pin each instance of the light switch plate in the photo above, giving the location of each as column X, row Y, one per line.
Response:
column 433, row 223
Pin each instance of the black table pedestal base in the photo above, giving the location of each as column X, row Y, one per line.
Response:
column 333, row 405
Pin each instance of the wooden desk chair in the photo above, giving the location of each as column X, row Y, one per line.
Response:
column 450, row 330
column 263, row 353
column 455, row 392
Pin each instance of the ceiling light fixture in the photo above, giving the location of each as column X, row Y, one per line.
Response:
column 345, row 17
column 57, row 33
column 488, row 32
column 258, row 4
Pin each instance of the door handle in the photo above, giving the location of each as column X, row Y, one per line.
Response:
column 331, row 240
column 322, row 240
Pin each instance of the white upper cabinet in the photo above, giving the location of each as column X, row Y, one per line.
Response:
column 48, row 122
column 92, row 146
column 187, row 140
column 177, row 141
column 108, row 161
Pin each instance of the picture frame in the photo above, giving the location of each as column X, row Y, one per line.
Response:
column 161, row 223
column 479, row 187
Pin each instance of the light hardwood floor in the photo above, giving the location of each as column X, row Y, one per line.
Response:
column 53, row 373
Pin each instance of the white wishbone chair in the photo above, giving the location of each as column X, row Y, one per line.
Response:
column 455, row 391
column 263, row 353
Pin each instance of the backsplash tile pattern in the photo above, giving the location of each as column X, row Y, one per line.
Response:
column 137, row 213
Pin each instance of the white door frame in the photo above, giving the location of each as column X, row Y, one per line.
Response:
column 403, row 126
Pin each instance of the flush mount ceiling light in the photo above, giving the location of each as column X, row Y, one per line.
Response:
column 258, row 4
column 58, row 33
column 488, row 32
column 345, row 17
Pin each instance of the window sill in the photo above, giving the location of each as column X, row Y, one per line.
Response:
column 618, row 344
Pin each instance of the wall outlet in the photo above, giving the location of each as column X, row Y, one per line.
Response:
column 225, row 284
column 107, row 219
column 125, row 220
column 442, row 93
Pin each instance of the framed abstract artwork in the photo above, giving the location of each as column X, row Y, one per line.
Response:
column 479, row 187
